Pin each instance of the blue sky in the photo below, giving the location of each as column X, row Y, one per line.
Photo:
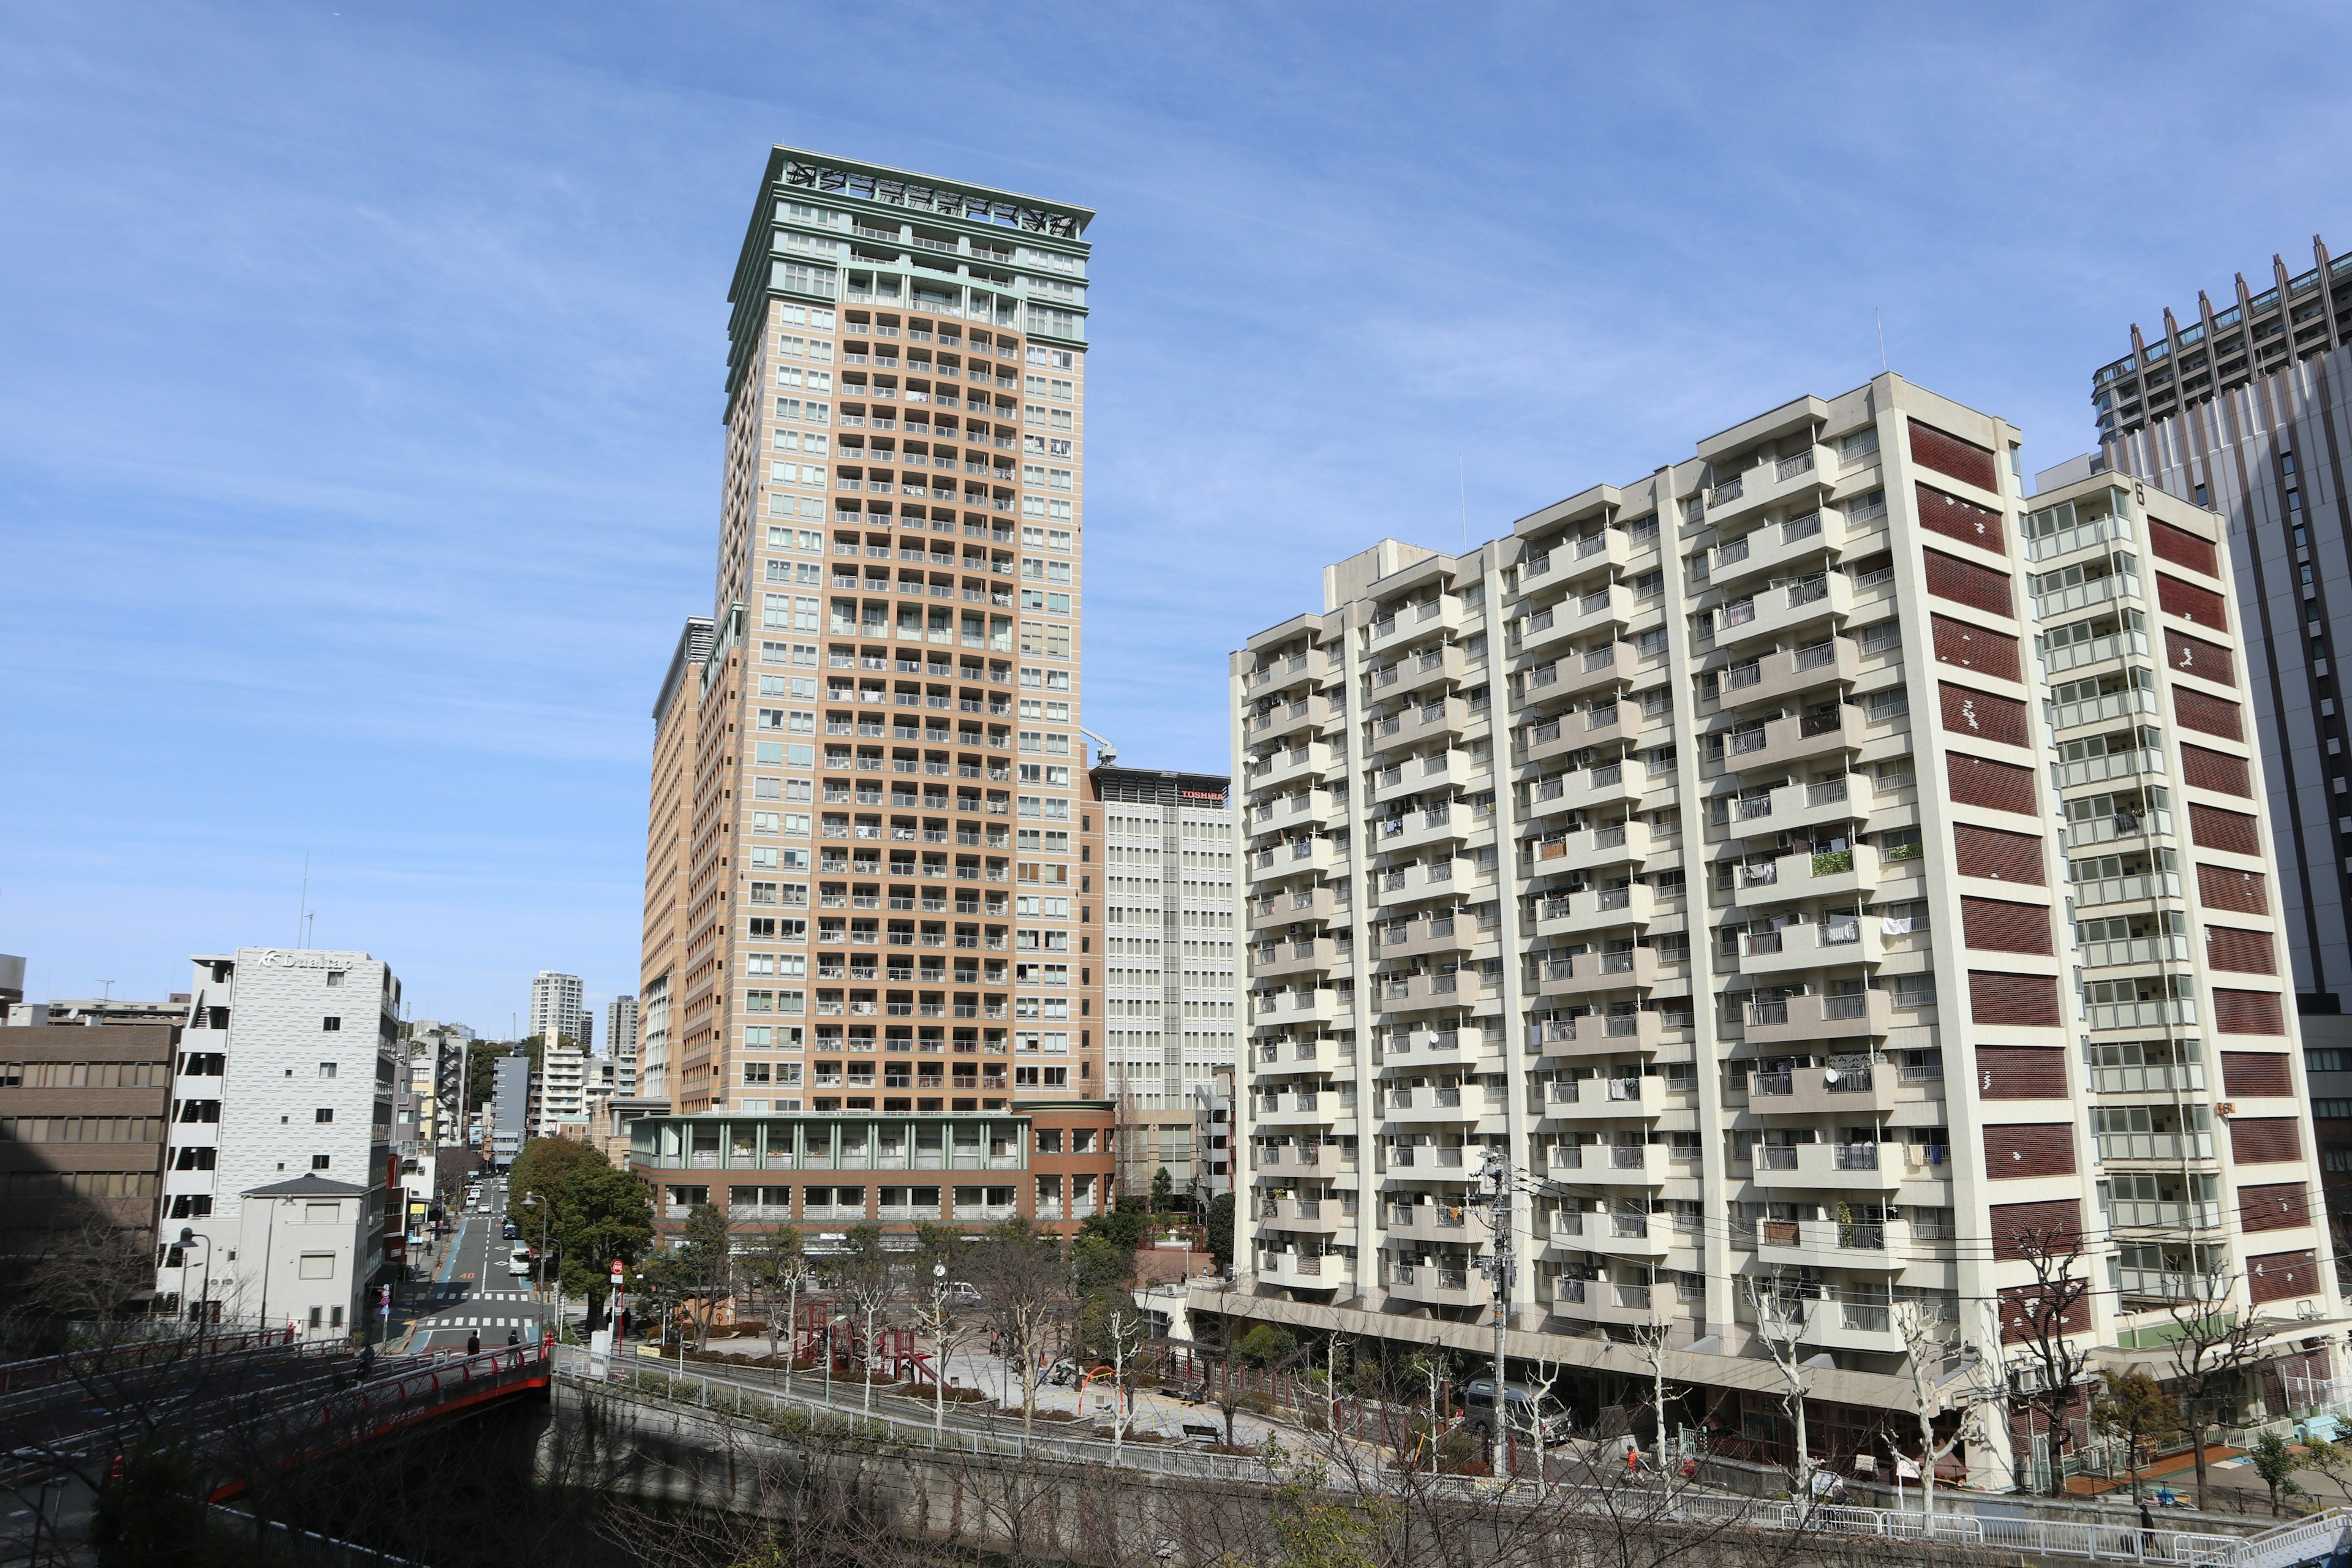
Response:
column 360, row 364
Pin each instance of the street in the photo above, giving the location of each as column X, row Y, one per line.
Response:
column 470, row 1291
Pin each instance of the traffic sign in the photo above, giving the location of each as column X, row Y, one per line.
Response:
column 616, row 1273
column 384, row 1296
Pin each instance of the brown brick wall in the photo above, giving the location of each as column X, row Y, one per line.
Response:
column 1948, row 514
column 2206, row 661
column 2236, row 892
column 2190, row 603
column 1990, row 852
column 2018, row 1150
column 1968, row 711
column 2210, row 827
column 2256, row 1075
column 2279, row 1208
column 2281, row 1276
column 1973, row 647
column 2055, row 1225
column 2020, row 1072
column 1948, row 454
column 2239, row 951
column 1966, row 583
column 2216, row 771
column 1997, row 786
column 2264, row 1140
column 2016, row 1001
column 2183, row 548
column 2213, row 715
column 2000, row 926
column 2019, row 1316
column 2247, row 1012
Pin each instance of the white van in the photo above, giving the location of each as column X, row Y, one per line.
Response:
column 519, row 1261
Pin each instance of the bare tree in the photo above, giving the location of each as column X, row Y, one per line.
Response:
column 2041, row 1325
column 872, row 1285
column 1941, row 1379
column 1025, row 1289
column 2212, row 1347
column 1650, row 1343
column 1780, row 1322
column 774, row 1268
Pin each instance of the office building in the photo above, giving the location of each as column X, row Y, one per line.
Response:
column 83, row 1112
column 511, row 1091
column 1802, row 874
column 2241, row 408
column 285, row 1068
column 556, row 1009
column 884, row 913
column 669, row 850
column 1164, row 845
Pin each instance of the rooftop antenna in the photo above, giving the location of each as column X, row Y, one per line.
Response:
column 1878, row 317
column 106, row 990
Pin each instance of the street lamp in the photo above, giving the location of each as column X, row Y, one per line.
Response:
column 939, row 1343
column 188, row 1237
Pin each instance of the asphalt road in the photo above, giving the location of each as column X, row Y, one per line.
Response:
column 471, row 1291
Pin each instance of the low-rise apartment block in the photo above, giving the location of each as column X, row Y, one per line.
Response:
column 1808, row 878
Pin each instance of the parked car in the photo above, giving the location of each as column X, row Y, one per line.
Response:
column 1526, row 1405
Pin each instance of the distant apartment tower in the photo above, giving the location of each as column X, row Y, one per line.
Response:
column 1802, row 874
column 556, row 1006
column 669, row 829
column 1169, row 863
column 562, row 1090
column 510, row 1107
column 621, row 1042
column 287, row 1069
column 885, row 925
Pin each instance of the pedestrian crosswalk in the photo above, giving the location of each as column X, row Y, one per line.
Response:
column 456, row 1322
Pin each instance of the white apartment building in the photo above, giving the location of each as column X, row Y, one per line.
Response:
column 654, row 1042
column 562, row 1096
column 1172, row 1006
column 1805, row 874
column 286, row 1069
column 557, row 1006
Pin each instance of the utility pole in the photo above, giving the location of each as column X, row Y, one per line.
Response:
column 1495, row 1175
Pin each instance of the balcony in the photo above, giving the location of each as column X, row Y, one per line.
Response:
column 1301, row 1108
column 1594, row 1034
column 1294, row 722
column 1827, row 1244
column 2127, row 706
column 2154, row 1145
column 1769, row 483
column 1323, row 1006
column 2152, row 1214
column 1595, row 910
column 2137, row 889
column 1427, row 1162
column 1578, row 729
column 1576, row 619
column 1439, row 1286
column 2125, row 952
column 1799, row 806
column 1305, row 1159
column 2149, row 1077
column 1780, row 547
column 1802, row 947
column 1784, row 673
column 1293, row 765
column 1596, row 1099
column 1423, row 724
column 1302, row 1216
column 1600, row 1301
column 2157, row 1013
column 1609, row 1164
column 1278, row 959
column 1290, row 908
column 1794, row 739
column 1295, row 858
column 1421, row 993
column 1807, row 874
column 1587, row 849
column 1432, row 1103
column 1417, row 669
column 1414, row 831
column 1802, row 611
column 1591, row 974
column 1300, row 812
column 1841, row 1167
column 1851, row 1326
column 1294, row 1270
column 1572, row 675
column 1442, row 613
column 1422, row 938
column 1607, row 788
column 2173, row 1285
column 1431, row 1222
column 1824, row 1091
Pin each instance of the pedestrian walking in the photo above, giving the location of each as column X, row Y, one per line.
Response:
column 367, row 1362
column 2146, row 1530
column 514, row 1336
column 473, row 1341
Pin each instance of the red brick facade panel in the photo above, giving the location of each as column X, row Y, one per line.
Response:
column 1966, row 583
column 2020, row 1072
column 2281, row 1276
column 2183, row 548
column 1973, row 647
column 2239, row 951
column 1957, row 518
column 2020, row 1311
column 2213, row 715
column 2256, row 1075
column 2247, row 1012
column 1997, row 786
column 2012, row 1001
column 2055, row 1227
column 2234, row 892
column 1997, row 925
column 2216, row 771
column 2014, row 1151
column 2279, row 1208
column 2190, row 603
column 1968, row 711
column 1990, row 852
column 2210, row 827
column 1948, row 454
column 2264, row 1140
column 2195, row 656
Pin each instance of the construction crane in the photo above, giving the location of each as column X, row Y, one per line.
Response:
column 1108, row 752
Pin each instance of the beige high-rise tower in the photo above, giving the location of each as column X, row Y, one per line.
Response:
column 886, row 920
